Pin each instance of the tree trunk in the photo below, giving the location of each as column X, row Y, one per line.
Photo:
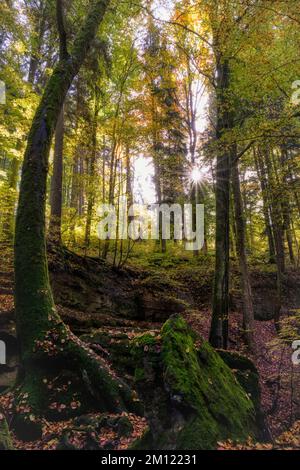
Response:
column 248, row 313
column 39, row 33
column 273, row 198
column 56, row 182
column 286, row 204
column 91, row 177
column 219, row 322
column 261, row 173
column 38, row 323
column 9, row 202
column 34, row 302
column 276, row 212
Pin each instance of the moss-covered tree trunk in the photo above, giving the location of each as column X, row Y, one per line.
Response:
column 219, row 322
column 34, row 302
column 45, row 341
column 56, row 182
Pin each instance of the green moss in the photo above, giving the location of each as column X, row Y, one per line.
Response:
column 146, row 339
column 118, row 347
column 196, row 400
column 206, row 384
column 146, row 343
column 110, row 393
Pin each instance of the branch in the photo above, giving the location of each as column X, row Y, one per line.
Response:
column 279, row 13
column 63, row 51
column 241, row 153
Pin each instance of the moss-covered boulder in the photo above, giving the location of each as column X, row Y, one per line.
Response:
column 247, row 375
column 5, row 439
column 192, row 399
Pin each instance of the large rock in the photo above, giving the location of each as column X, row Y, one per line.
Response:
column 247, row 375
column 97, row 289
column 192, row 399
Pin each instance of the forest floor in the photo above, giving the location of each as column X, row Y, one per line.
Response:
column 85, row 307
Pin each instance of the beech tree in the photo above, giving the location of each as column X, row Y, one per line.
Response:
column 37, row 319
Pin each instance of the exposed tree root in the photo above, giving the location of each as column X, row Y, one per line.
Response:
column 65, row 378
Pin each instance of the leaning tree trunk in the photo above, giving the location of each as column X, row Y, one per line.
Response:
column 219, row 322
column 248, row 313
column 56, row 182
column 44, row 339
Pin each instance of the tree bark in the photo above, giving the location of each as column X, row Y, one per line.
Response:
column 266, row 209
column 39, row 326
column 276, row 213
column 248, row 313
column 56, row 182
column 39, row 30
column 92, row 170
column 9, row 202
column 33, row 297
column 286, row 204
column 219, row 323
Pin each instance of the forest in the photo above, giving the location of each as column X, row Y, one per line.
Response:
column 149, row 225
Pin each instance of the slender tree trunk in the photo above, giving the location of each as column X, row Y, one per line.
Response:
column 293, row 182
column 194, row 199
column 129, row 192
column 157, row 183
column 266, row 209
column 287, row 227
column 277, row 227
column 112, row 175
column 248, row 313
column 92, row 170
column 56, row 182
column 276, row 213
column 74, row 196
column 81, row 185
column 219, row 323
column 9, row 203
column 286, row 206
column 232, row 231
column 40, row 29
